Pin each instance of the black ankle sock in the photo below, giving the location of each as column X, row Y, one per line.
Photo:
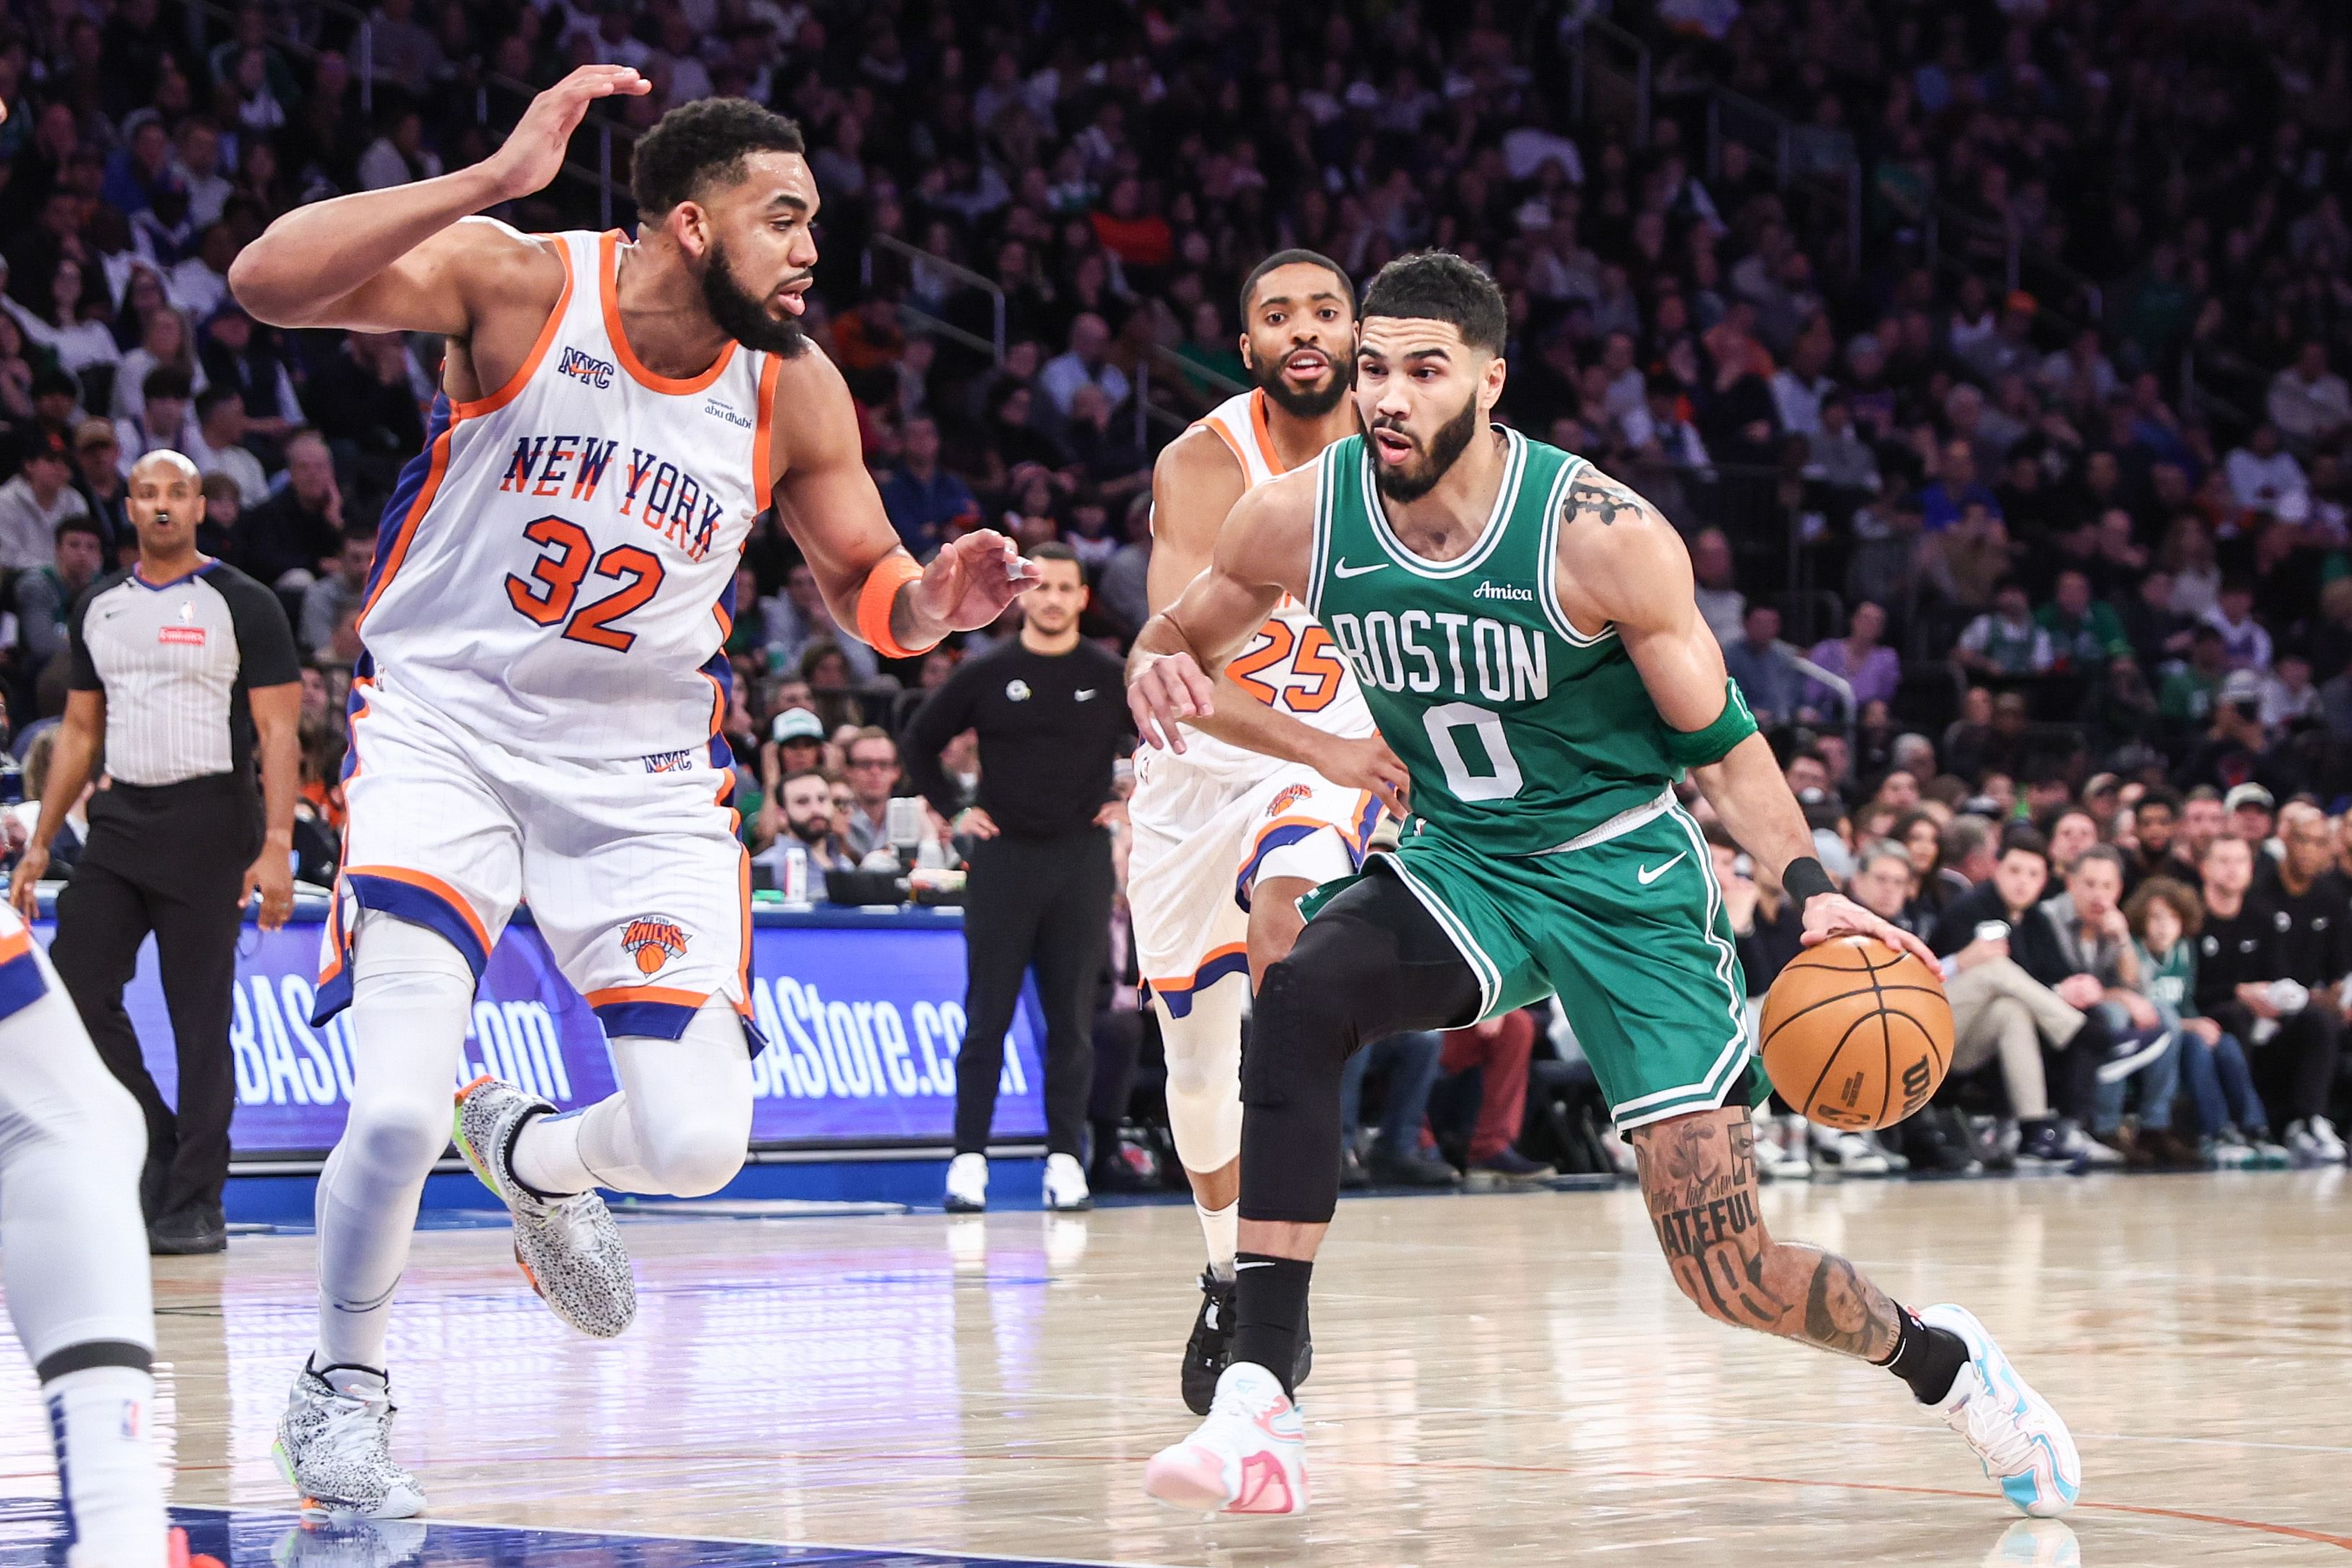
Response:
column 1269, row 1303
column 1928, row 1358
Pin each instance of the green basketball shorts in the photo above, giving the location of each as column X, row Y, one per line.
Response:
column 1630, row 932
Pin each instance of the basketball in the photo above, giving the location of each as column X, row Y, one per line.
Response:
column 1857, row 1034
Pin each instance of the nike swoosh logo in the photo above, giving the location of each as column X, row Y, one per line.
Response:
column 1342, row 569
column 1086, row 696
column 1648, row 874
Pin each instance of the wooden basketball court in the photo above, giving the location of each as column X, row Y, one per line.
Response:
column 1501, row 1381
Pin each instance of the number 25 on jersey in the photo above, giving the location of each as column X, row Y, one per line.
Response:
column 1317, row 671
column 567, row 556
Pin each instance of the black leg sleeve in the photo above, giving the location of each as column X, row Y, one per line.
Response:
column 1371, row 963
column 102, row 920
column 1002, row 900
column 1072, row 935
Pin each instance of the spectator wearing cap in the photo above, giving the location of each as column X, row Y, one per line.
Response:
column 923, row 500
column 216, row 446
column 97, row 479
column 795, row 745
column 33, row 503
column 164, row 423
column 2247, row 813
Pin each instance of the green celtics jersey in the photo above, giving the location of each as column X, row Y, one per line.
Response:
column 1521, row 733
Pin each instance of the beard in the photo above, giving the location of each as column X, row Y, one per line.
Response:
column 811, row 829
column 1301, row 405
column 743, row 315
column 1412, row 482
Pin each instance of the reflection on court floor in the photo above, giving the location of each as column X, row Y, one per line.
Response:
column 1501, row 1382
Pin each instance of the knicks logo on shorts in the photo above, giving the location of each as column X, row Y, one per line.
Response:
column 1288, row 799
column 653, row 940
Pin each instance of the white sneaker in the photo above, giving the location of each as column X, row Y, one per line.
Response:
column 2098, row 1157
column 1066, row 1186
column 1856, row 1155
column 334, row 1446
column 2302, row 1145
column 569, row 1248
column 2228, row 1150
column 968, row 1183
column 1248, row 1457
column 1781, row 1158
column 2017, row 1437
column 2331, row 1146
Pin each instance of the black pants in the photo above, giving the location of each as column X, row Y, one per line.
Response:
column 170, row 860
column 2295, row 1070
column 1041, row 903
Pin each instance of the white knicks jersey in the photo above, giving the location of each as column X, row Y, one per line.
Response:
column 557, row 567
column 1292, row 663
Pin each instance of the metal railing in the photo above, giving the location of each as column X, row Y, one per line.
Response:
column 915, row 256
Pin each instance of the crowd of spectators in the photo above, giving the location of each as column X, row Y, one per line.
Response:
column 1996, row 390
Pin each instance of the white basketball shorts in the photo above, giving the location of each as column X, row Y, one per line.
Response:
column 1205, row 839
column 631, row 868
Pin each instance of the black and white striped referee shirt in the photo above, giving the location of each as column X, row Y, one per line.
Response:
column 174, row 661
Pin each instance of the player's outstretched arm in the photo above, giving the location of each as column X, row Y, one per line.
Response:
column 1195, row 487
column 399, row 260
column 1262, row 551
column 826, row 500
column 1621, row 562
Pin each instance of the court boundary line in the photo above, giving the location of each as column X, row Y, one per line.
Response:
column 942, row 1554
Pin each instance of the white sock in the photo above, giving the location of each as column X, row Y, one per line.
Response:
column 98, row 1418
column 1222, row 1228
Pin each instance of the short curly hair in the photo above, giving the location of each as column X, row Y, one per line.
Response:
column 702, row 142
column 1439, row 286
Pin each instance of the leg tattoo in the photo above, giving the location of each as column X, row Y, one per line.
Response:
column 1698, row 1178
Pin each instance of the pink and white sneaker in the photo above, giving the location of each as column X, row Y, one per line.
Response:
column 1248, row 1457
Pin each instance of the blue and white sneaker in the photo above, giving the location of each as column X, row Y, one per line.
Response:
column 2021, row 1440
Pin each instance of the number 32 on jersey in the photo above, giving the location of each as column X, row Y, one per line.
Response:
column 1284, row 668
column 548, row 594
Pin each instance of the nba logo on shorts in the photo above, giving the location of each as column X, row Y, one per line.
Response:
column 653, row 940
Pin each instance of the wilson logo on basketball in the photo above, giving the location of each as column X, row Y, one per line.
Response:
column 653, row 940
column 1288, row 799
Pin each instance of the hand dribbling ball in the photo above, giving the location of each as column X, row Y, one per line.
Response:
column 1856, row 1034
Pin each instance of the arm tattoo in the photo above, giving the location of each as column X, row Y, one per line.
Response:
column 1600, row 499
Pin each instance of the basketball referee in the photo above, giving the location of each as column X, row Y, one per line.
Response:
column 1048, row 711
column 176, row 664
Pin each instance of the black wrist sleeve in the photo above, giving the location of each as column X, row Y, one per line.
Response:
column 1804, row 878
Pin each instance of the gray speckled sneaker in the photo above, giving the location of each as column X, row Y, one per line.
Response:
column 569, row 1248
column 334, row 1446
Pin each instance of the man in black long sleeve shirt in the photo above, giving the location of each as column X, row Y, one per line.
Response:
column 1051, row 714
column 2251, row 938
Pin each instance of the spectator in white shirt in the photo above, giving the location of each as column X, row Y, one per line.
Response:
column 198, row 164
column 1799, row 386
column 2288, row 695
column 164, row 423
column 2244, row 639
column 200, row 283
column 1085, row 362
column 2309, row 402
column 33, row 503
column 399, row 156
column 2263, row 474
column 218, row 445
column 78, row 344
column 166, row 341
